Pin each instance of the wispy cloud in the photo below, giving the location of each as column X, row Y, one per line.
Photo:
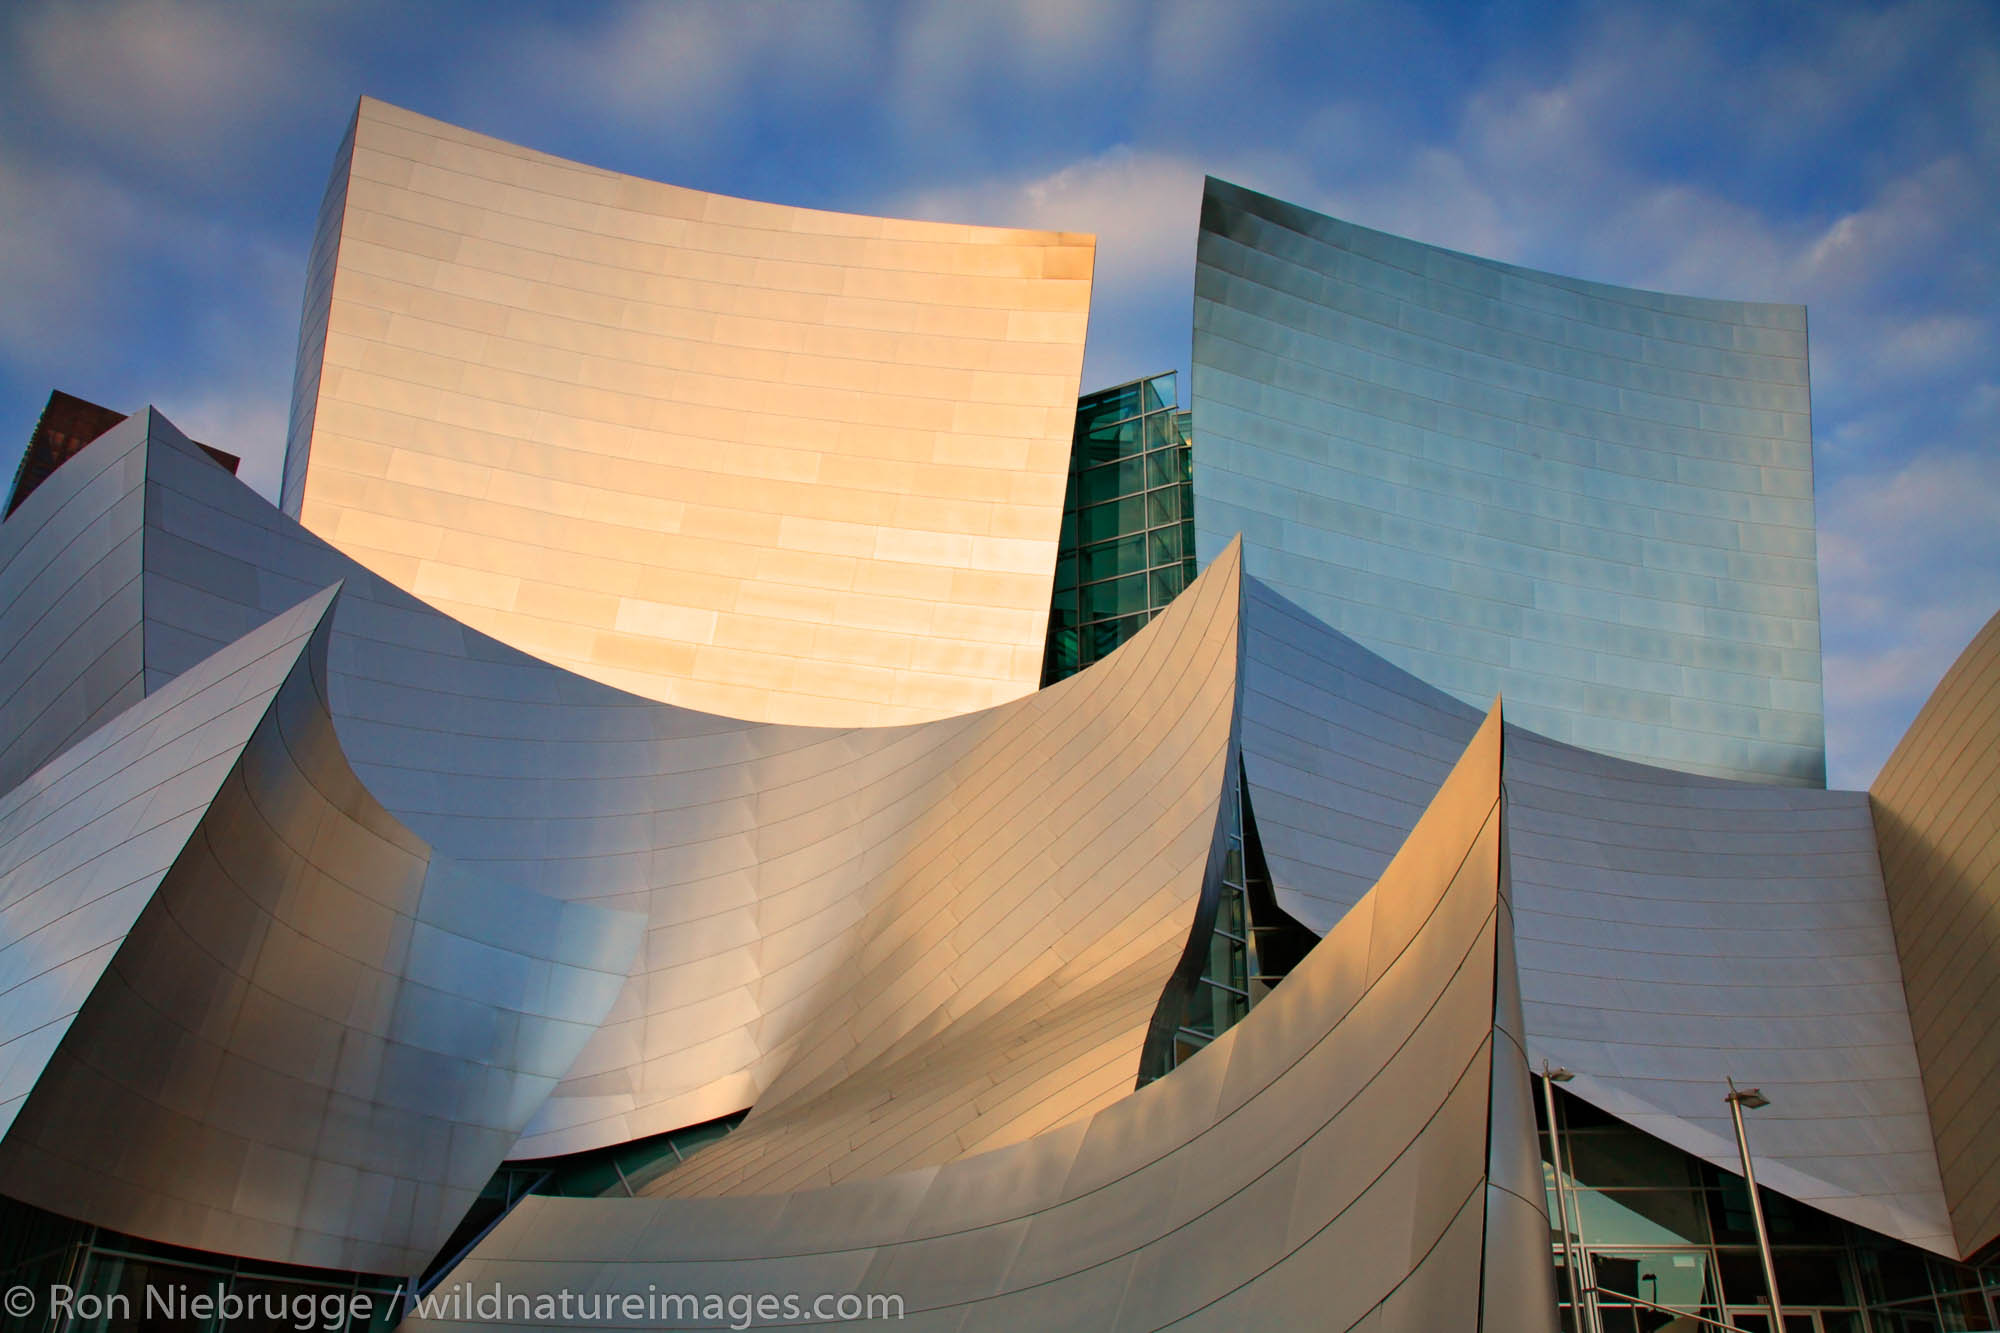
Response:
column 945, row 48
column 116, row 292
column 993, row 73
column 59, row 227
column 186, row 85
column 1142, row 207
column 673, row 81
column 235, row 389
column 1909, row 570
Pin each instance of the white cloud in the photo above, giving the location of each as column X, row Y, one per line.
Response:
column 1439, row 197
column 943, row 47
column 1143, row 208
column 1194, row 44
column 1931, row 344
column 243, row 345
column 115, row 293
column 1913, row 215
column 1909, row 570
column 681, row 72
column 1936, row 498
column 64, row 235
column 174, row 82
column 247, row 419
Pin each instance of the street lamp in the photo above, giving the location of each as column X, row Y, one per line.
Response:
column 1739, row 1098
column 1552, row 1075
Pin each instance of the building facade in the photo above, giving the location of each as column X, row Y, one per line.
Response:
column 762, row 461
column 374, row 926
column 1127, row 543
column 1593, row 499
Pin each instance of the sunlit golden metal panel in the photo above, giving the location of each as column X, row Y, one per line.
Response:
column 762, row 461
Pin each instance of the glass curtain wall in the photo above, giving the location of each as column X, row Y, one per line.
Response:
column 1656, row 1227
column 1127, row 546
column 111, row 1275
column 621, row 1171
column 1254, row 944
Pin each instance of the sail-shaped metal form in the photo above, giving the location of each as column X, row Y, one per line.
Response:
column 1937, row 812
column 1595, row 499
column 1358, row 1153
column 764, row 461
column 1675, row 930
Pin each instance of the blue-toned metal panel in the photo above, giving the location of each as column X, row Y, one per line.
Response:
column 71, row 656
column 1673, row 930
column 1595, row 500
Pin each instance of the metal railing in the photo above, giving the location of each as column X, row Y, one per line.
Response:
column 1625, row 1298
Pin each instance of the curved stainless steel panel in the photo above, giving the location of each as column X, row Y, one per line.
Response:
column 1011, row 948
column 313, row 1042
column 764, row 461
column 71, row 650
column 1936, row 804
column 1325, row 1163
column 1593, row 499
column 85, row 841
column 774, row 864
column 1674, row 930
column 1637, row 888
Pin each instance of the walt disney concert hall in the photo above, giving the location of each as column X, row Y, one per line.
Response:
column 724, row 793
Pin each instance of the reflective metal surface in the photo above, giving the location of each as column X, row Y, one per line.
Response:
column 1593, row 499
column 85, row 842
column 1358, row 1153
column 314, row 908
column 1674, row 930
column 763, row 461
column 770, row 861
column 820, row 903
column 1010, row 946
column 71, row 651
column 304, row 1040
column 1937, row 812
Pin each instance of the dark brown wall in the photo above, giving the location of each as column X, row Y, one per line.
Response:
column 67, row 424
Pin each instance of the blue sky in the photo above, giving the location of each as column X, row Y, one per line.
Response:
column 160, row 166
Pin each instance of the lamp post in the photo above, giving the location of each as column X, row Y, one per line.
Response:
column 1739, row 1098
column 1552, row 1075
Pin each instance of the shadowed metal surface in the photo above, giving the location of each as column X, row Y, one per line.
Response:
column 312, row 1042
column 1673, row 930
column 1594, row 499
column 1729, row 929
column 814, row 899
column 1007, row 965
column 1936, row 804
column 86, row 840
column 71, row 655
column 1358, row 1153
column 764, row 461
